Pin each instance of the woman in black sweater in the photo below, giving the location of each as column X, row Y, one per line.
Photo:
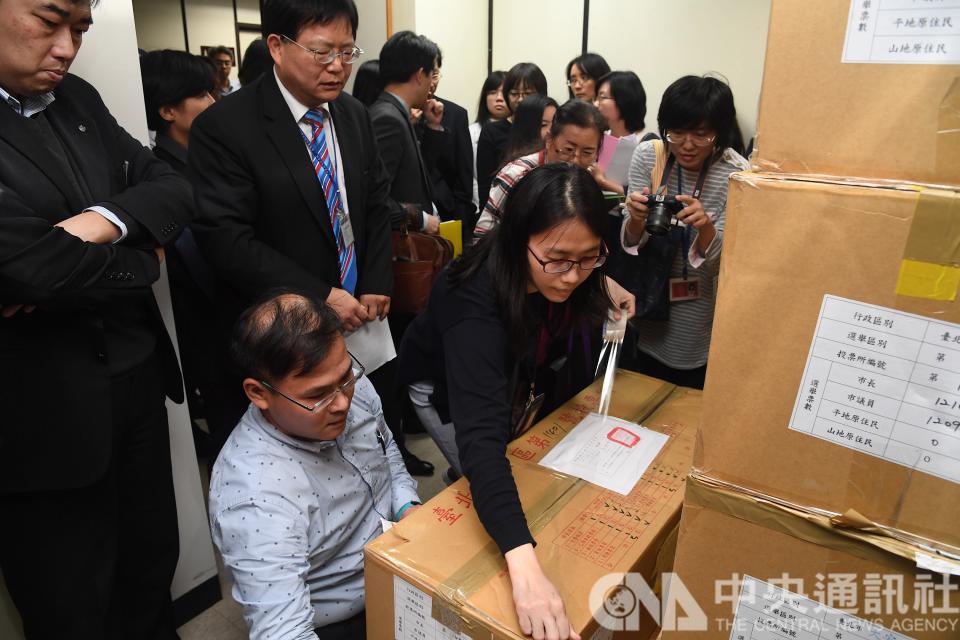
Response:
column 483, row 340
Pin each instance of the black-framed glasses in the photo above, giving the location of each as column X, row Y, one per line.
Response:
column 562, row 266
column 343, row 387
column 522, row 94
column 348, row 56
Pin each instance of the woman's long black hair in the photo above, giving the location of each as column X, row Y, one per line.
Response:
column 494, row 81
column 546, row 197
column 525, row 133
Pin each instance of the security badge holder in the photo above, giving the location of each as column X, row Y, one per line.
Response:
column 346, row 229
column 682, row 290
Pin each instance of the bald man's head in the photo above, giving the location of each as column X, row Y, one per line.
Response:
column 284, row 333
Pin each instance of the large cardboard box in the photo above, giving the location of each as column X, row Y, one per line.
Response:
column 819, row 115
column 438, row 572
column 788, row 574
column 788, row 244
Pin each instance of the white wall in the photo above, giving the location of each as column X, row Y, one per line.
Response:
column 548, row 33
column 372, row 32
column 460, row 29
column 248, row 11
column 662, row 41
column 159, row 24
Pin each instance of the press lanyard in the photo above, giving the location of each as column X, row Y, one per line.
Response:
column 697, row 190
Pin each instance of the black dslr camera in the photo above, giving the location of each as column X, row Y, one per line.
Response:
column 662, row 209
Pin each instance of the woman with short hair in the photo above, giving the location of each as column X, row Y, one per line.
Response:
column 702, row 147
column 583, row 74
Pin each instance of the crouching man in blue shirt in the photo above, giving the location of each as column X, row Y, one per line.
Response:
column 309, row 475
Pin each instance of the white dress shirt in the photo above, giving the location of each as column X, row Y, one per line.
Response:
column 298, row 110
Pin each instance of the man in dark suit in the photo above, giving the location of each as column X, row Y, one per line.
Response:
column 89, row 542
column 450, row 166
column 290, row 188
column 407, row 65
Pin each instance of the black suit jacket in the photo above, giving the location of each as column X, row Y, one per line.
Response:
column 54, row 371
column 262, row 220
column 402, row 157
column 450, row 167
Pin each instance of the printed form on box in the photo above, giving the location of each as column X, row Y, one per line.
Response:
column 885, row 383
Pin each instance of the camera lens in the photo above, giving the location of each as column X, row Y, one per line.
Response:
column 658, row 220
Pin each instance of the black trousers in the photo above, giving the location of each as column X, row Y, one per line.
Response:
column 354, row 628
column 97, row 562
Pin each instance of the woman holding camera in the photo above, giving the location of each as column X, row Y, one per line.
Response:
column 483, row 345
column 701, row 148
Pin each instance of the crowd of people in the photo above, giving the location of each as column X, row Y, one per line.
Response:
column 272, row 201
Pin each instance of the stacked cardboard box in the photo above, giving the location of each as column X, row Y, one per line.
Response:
column 438, row 573
column 827, row 475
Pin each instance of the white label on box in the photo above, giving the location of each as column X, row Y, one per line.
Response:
column 413, row 618
column 903, row 32
column 886, row 383
column 606, row 451
column 767, row 612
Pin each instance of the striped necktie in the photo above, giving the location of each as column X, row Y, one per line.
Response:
column 326, row 174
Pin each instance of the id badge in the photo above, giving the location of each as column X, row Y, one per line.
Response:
column 682, row 290
column 346, row 229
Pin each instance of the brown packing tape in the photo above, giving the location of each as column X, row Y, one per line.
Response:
column 868, row 541
column 488, row 562
column 948, row 130
column 931, row 258
column 935, row 230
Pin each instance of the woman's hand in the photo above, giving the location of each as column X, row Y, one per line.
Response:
column 540, row 609
column 623, row 300
column 636, row 224
column 602, row 181
column 694, row 216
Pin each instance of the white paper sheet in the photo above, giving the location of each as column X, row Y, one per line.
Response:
column 608, row 452
column 372, row 344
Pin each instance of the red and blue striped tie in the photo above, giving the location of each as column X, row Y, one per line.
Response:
column 328, row 182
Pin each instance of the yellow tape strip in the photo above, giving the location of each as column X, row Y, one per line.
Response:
column 931, row 258
column 928, row 280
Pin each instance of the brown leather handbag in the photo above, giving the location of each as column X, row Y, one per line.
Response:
column 418, row 258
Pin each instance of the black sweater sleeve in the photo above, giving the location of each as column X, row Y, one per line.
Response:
column 479, row 392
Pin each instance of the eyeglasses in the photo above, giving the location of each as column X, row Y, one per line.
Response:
column 578, row 80
column 223, row 63
column 562, row 266
column 698, row 140
column 571, row 154
column 323, row 58
column 603, row 96
column 344, row 388
column 522, row 94
column 436, row 75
